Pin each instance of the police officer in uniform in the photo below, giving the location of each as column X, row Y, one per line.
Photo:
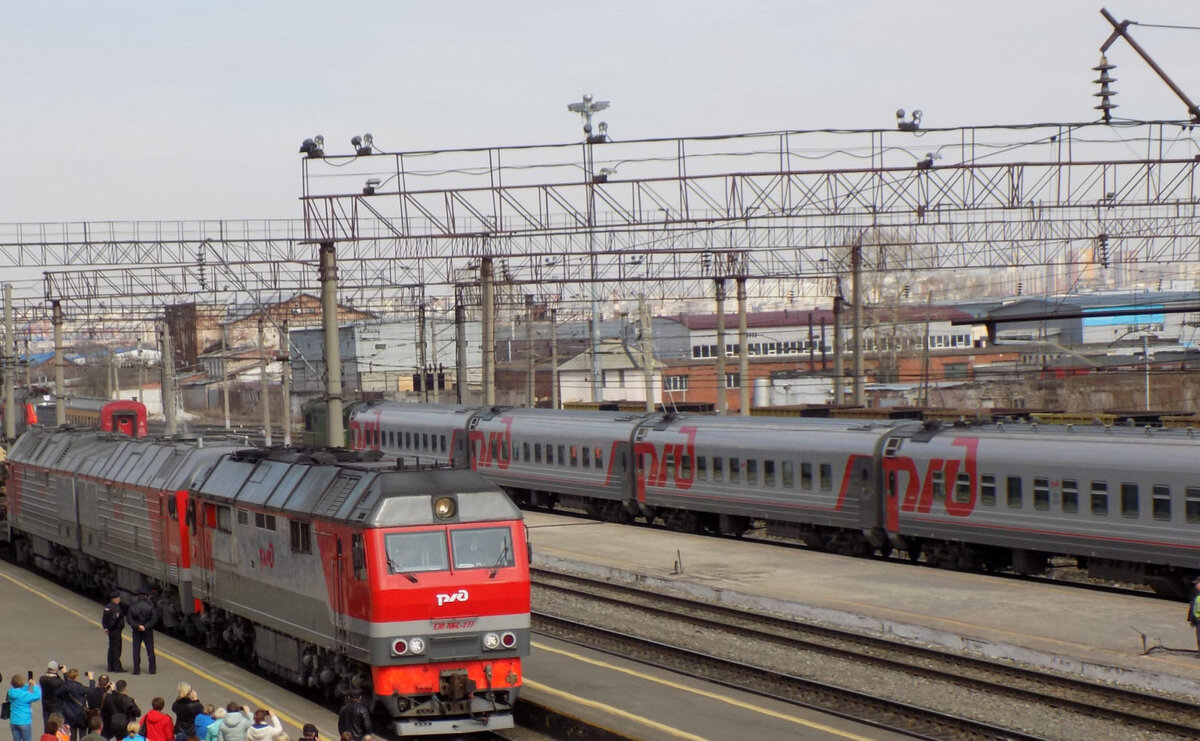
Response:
column 142, row 618
column 112, row 622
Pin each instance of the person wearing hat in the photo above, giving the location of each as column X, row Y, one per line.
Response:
column 309, row 732
column 113, row 622
column 143, row 618
column 50, row 682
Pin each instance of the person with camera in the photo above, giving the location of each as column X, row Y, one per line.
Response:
column 50, row 682
column 73, row 696
column 20, row 698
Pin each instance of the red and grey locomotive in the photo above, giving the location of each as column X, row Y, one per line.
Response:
column 336, row 572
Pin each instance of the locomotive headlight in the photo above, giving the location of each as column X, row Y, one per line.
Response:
column 508, row 640
column 491, row 641
column 416, row 646
column 444, row 508
column 399, row 647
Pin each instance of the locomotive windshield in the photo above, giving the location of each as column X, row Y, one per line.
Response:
column 423, row 551
column 475, row 548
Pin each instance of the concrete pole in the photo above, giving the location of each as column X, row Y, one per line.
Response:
column 285, row 379
column 225, row 371
column 722, row 406
column 108, row 376
column 168, row 380
column 460, row 346
column 333, row 350
column 60, row 384
column 10, row 350
column 647, row 351
column 1146, row 363
column 857, row 312
column 489, row 331
column 530, row 365
column 554, row 400
column 743, row 350
column 433, row 346
column 29, row 366
column 839, row 369
column 266, row 386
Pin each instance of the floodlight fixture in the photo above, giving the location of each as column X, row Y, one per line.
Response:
column 313, row 148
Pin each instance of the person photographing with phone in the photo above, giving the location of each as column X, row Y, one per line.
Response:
column 21, row 696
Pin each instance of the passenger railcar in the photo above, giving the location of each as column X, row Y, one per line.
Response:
column 1123, row 502
column 126, row 416
column 411, row 585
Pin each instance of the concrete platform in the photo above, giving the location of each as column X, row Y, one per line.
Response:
column 1140, row 642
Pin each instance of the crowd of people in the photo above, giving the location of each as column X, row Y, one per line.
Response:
column 103, row 710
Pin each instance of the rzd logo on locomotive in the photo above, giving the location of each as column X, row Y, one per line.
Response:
column 459, row 596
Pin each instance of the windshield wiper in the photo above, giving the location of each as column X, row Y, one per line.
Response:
column 395, row 567
column 499, row 562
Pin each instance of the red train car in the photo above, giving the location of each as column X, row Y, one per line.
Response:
column 125, row 416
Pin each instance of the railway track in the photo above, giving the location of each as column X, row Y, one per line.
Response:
column 844, row 672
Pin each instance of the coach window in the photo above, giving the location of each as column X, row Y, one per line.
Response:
column 805, row 475
column 537, row 452
column 1015, row 492
column 358, row 554
column 1129, row 500
column 525, row 447
column 549, row 453
column 987, row 489
column 788, row 475
column 444, row 446
column 962, row 488
column 1069, row 498
column 939, row 486
column 574, row 457
column 599, row 457
column 562, row 459
column 769, row 473
column 702, row 467
column 425, row 441
column 1041, row 493
column 407, row 440
column 826, row 471
column 685, row 467
column 1191, row 503
column 752, row 471
column 1099, row 498
column 669, row 464
column 1161, row 506
column 587, row 456
column 735, row 470
column 718, row 468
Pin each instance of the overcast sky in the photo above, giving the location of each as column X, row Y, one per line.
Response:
column 161, row 109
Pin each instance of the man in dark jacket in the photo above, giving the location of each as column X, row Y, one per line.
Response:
column 112, row 622
column 119, row 711
column 143, row 618
column 354, row 718
column 73, row 695
column 95, row 694
column 50, row 682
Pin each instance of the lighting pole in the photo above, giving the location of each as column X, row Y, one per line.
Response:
column 587, row 108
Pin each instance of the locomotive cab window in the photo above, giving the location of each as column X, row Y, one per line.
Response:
column 415, row 552
column 477, row 548
column 1129, row 500
column 358, row 555
column 301, row 536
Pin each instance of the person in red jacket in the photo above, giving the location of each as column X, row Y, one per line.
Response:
column 157, row 725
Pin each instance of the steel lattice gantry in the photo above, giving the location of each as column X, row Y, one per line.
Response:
column 663, row 217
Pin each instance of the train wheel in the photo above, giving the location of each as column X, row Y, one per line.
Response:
column 682, row 521
column 615, row 512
